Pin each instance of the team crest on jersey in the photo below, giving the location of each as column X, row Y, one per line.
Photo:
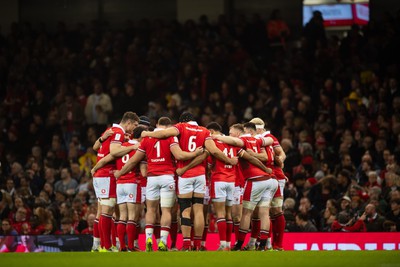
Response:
column 130, row 195
column 103, row 191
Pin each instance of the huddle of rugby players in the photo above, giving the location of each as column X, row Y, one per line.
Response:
column 174, row 172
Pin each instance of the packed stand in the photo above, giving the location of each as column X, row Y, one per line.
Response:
column 334, row 104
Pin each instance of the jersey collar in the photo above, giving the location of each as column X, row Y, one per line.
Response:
column 118, row 126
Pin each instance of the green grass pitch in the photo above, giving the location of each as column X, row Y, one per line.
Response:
column 209, row 259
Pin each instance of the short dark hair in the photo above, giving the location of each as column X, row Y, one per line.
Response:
column 130, row 116
column 137, row 132
column 66, row 220
column 164, row 121
column 302, row 216
column 250, row 125
column 214, row 126
column 238, row 127
column 346, row 173
column 343, row 217
column 186, row 116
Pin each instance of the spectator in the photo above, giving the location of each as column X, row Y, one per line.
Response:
column 391, row 184
column 375, row 197
column 5, row 204
column 289, row 204
column 90, row 220
column 290, row 219
column 329, row 216
column 26, row 228
column 277, row 29
column 345, row 163
column 372, row 180
column 131, row 98
column 66, row 185
column 314, row 33
column 49, row 227
column 6, row 228
column 9, row 241
column 67, row 227
column 309, row 210
column 304, row 224
column 49, row 189
column 117, row 97
column 346, row 223
column 322, row 191
column 98, row 107
column 345, row 204
column 19, row 219
column 394, row 213
column 42, row 216
column 292, row 156
column 87, row 161
column 373, row 221
column 70, row 116
column 19, row 202
column 10, row 186
column 343, row 181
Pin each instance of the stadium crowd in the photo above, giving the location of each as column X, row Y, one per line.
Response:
column 332, row 102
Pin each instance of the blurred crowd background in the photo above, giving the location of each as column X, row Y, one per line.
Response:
column 333, row 101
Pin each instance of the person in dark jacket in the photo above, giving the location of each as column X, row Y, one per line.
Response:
column 373, row 220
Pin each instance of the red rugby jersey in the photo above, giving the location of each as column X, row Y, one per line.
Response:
column 222, row 171
column 159, row 157
column 117, row 137
column 134, row 176
column 192, row 136
column 278, row 172
column 249, row 170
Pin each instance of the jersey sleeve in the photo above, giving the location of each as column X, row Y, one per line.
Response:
column 142, row 146
column 260, row 142
column 174, row 141
column 117, row 137
column 245, row 143
column 178, row 126
column 207, row 135
column 275, row 142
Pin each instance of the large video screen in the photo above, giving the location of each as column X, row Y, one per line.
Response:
column 339, row 14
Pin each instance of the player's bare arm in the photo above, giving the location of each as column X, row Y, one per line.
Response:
column 162, row 134
column 132, row 162
column 143, row 169
column 179, row 154
column 267, row 141
column 214, row 151
column 101, row 139
column 102, row 163
column 117, row 150
column 230, row 140
column 280, row 156
column 196, row 161
column 262, row 156
column 253, row 160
